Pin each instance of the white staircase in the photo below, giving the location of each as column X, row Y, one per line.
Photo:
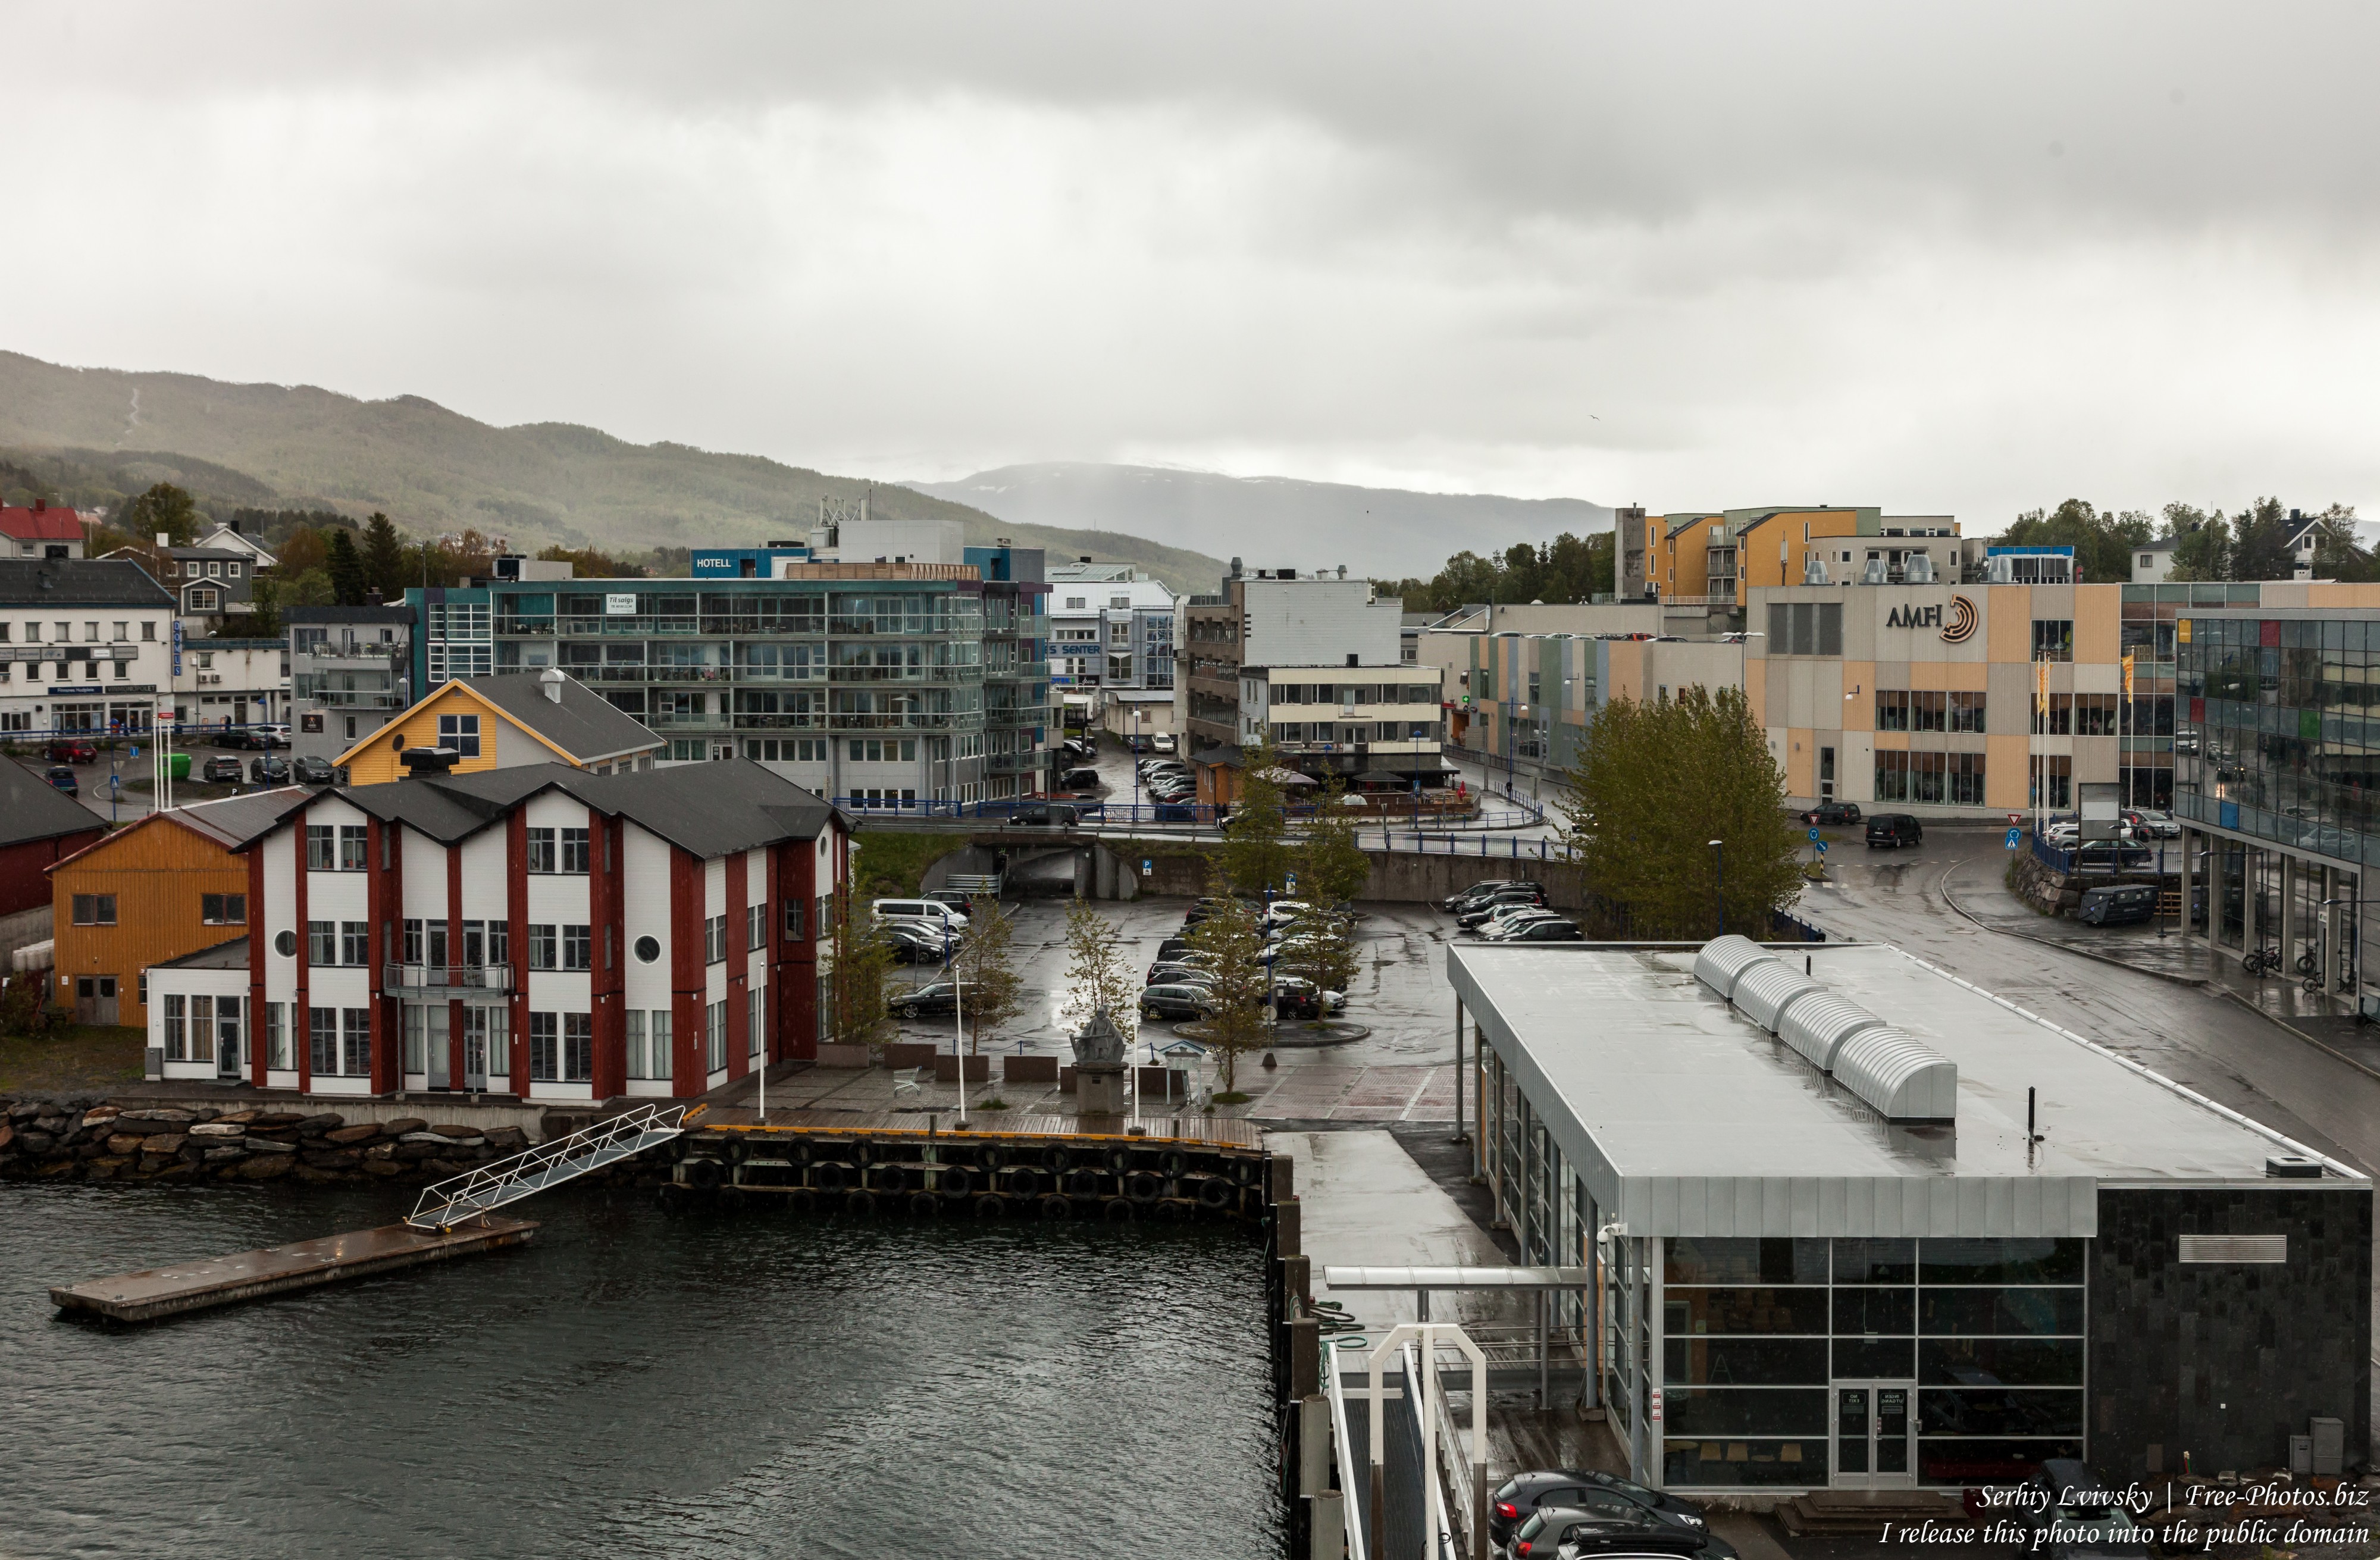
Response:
column 449, row 1203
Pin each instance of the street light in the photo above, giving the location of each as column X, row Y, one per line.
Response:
column 1719, row 884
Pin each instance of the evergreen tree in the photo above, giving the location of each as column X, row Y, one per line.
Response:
column 347, row 567
column 384, row 558
column 164, row 508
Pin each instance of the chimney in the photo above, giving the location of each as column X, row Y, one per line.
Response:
column 164, row 540
column 371, row 598
column 424, row 762
column 1351, row 658
column 235, row 527
column 41, row 504
column 1084, row 559
column 549, row 682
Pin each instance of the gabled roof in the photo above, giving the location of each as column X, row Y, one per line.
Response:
column 232, row 955
column 241, row 541
column 230, row 822
column 229, row 555
column 581, row 726
column 712, row 809
column 46, row 523
column 79, row 581
column 32, row 808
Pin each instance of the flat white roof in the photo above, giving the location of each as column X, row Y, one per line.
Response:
column 1685, row 1117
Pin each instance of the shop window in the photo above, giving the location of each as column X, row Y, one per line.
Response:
column 2053, row 640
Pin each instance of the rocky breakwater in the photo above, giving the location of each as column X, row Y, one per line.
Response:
column 87, row 1139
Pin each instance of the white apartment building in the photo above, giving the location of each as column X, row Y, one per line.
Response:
column 86, row 647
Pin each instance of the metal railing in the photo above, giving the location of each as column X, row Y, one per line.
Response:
column 446, row 1204
column 403, row 979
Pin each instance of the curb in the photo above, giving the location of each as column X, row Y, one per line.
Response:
column 2198, row 981
column 2286, row 1026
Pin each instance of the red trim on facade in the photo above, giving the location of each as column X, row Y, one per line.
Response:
column 301, row 1031
column 260, row 944
column 516, row 943
column 380, row 893
column 609, row 981
column 798, row 1002
column 739, row 964
column 688, row 1074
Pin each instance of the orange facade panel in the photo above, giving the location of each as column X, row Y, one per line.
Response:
column 153, row 877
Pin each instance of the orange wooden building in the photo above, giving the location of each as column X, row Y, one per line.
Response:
column 155, row 889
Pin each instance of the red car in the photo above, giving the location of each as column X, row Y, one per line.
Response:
column 73, row 753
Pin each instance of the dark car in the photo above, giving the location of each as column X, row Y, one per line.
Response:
column 1470, row 897
column 1176, row 971
column 2072, row 1517
column 1594, row 1492
column 1044, row 814
column 2113, row 855
column 916, row 945
column 1082, row 782
column 1173, row 1001
column 2117, row 906
column 1566, row 1533
column 1551, row 930
column 239, row 738
column 1833, row 812
column 962, row 902
column 1174, row 811
column 71, row 752
column 1298, row 997
column 267, row 769
column 310, row 770
column 222, row 770
column 64, row 779
column 1480, row 909
column 1894, row 829
column 1172, row 949
column 942, row 996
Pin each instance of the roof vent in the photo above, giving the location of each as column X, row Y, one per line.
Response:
column 1818, row 1028
column 2292, row 1166
column 1723, row 961
column 550, row 682
column 423, row 761
column 1905, row 1080
column 1766, row 989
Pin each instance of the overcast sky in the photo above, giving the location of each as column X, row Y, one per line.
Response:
column 1694, row 256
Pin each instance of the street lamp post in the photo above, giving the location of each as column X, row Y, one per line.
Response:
column 1719, row 884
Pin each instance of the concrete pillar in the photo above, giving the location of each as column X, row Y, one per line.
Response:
column 2217, row 892
column 2288, row 866
column 1083, row 874
column 1313, row 1444
column 1656, row 1358
column 1632, row 1341
column 2189, row 843
column 1591, row 1316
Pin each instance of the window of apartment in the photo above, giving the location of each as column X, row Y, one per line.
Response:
column 323, row 1040
column 2052, row 776
column 176, row 1047
column 649, row 1043
column 149, row 631
column 354, row 843
column 204, row 598
column 574, row 849
column 577, row 1048
column 543, row 854
column 756, row 927
column 355, row 1025
column 355, row 943
column 120, row 635
column 322, row 847
column 577, row 947
column 276, row 1034
column 796, row 920
column 714, row 940
column 321, row 942
column 222, row 910
column 715, row 1037
column 544, row 1047
column 2053, row 640
column 95, row 910
column 412, row 941
column 460, row 733
column 543, row 946
column 2094, row 715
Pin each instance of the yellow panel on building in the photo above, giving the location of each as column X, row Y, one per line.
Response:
column 2009, row 622
column 2007, row 775
column 142, row 893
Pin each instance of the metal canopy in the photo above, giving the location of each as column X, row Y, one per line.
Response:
column 1456, row 1277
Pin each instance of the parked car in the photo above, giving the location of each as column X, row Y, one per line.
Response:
column 310, row 770
column 2064, row 833
column 238, row 739
column 914, row 942
column 1481, row 890
column 1045, row 815
column 1172, row 949
column 267, row 769
column 1163, row 742
column 1298, row 997
column 2113, row 855
column 927, row 909
column 1175, row 1001
column 1525, row 918
column 1082, row 782
column 957, row 899
column 1894, row 829
column 1174, row 809
column 2151, row 825
column 1546, row 929
column 2072, row 1517
column 71, row 752
column 1187, row 961
column 1832, row 811
column 273, row 736
column 940, row 996
column 2118, row 905
column 1575, row 1535
column 222, row 770
column 1503, row 899
column 1569, row 1489
column 1136, row 741
column 62, row 777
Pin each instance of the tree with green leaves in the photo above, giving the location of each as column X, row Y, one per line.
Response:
column 1256, row 837
column 1097, row 975
column 1331, row 867
column 347, row 569
column 862, row 957
column 384, row 558
column 992, row 990
column 1654, row 785
column 2101, row 540
column 1240, row 1020
column 164, row 509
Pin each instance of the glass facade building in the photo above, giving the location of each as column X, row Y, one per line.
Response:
column 884, row 684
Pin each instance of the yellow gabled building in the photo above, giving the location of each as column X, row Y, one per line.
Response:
column 498, row 722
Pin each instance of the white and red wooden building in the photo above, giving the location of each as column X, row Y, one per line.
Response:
column 539, row 931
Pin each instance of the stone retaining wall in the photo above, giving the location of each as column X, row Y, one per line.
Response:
column 86, row 1138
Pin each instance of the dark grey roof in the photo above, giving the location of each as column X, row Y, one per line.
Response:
column 203, row 553
column 32, row 808
column 347, row 614
column 583, row 724
column 235, row 820
column 79, row 581
column 712, row 809
column 232, row 955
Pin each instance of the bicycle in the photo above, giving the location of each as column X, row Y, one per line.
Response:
column 2261, row 961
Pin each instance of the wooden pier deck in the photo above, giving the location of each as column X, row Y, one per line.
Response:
column 1205, row 1131
column 155, row 1293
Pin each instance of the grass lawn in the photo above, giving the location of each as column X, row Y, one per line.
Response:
column 78, row 1057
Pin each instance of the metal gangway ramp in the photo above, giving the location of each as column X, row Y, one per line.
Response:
column 475, row 1193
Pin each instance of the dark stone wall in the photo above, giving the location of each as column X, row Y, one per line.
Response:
column 2227, row 1360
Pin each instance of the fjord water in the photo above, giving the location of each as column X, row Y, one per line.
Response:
column 636, row 1383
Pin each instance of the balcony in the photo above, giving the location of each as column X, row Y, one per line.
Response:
column 355, row 698
column 588, row 627
column 441, row 983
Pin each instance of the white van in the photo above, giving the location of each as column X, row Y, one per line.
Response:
column 920, row 910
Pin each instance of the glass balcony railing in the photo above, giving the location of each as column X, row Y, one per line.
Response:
column 436, row 981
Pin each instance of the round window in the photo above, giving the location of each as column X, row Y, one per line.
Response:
column 286, row 944
column 647, row 949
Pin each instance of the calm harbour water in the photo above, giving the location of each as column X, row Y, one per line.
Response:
column 631, row 1383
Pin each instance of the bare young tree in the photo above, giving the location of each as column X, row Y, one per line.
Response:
column 992, row 991
column 1238, row 1023
column 1097, row 975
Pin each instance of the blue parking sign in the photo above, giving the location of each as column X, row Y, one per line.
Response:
column 2015, row 838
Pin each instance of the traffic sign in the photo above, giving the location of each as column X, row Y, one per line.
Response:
column 1813, row 834
column 2015, row 838
column 1822, row 847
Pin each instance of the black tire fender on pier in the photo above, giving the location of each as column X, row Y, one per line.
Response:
column 957, row 1181
column 1055, row 1158
column 704, row 1175
column 1119, row 1211
column 1056, row 1208
column 829, row 1178
column 1217, row 1193
column 1025, row 1181
column 860, row 1202
column 1143, row 1187
column 992, row 1206
column 1083, row 1183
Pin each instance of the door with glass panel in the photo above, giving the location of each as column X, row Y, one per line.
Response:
column 1875, row 1436
column 476, row 1047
